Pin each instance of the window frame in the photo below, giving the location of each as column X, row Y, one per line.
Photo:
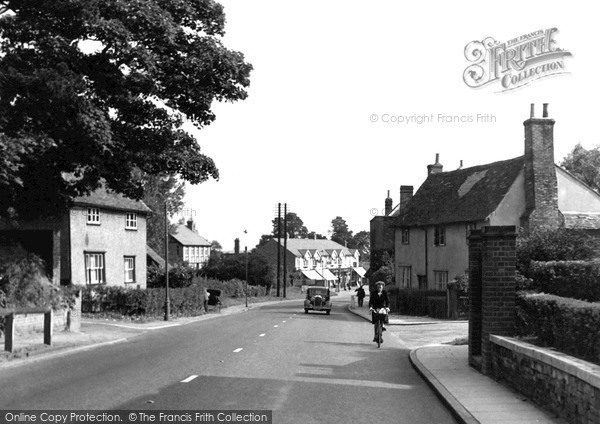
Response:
column 93, row 216
column 125, row 259
column 440, row 285
column 439, row 235
column 101, row 270
column 405, row 235
column 129, row 221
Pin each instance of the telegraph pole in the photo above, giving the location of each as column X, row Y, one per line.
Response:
column 284, row 247
column 278, row 247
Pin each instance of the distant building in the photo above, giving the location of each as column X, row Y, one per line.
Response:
column 529, row 192
column 319, row 260
column 187, row 246
column 101, row 240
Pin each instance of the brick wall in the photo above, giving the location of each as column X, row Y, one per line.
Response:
column 567, row 386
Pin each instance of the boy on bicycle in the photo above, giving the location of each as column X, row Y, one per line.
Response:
column 378, row 300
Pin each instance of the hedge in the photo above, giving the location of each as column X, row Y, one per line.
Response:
column 185, row 301
column 415, row 302
column 568, row 325
column 575, row 279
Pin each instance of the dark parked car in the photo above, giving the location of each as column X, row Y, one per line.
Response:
column 317, row 299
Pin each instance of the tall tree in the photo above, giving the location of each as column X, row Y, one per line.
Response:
column 157, row 192
column 362, row 242
column 295, row 226
column 340, row 234
column 95, row 90
column 585, row 164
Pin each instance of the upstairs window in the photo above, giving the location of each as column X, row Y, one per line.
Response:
column 131, row 221
column 405, row 235
column 439, row 235
column 93, row 216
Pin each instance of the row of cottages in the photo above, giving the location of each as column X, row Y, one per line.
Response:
column 315, row 261
column 430, row 229
column 100, row 240
column 189, row 247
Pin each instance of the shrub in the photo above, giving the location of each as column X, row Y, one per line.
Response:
column 179, row 276
column 184, row 301
column 437, row 306
column 576, row 279
column 568, row 325
column 553, row 245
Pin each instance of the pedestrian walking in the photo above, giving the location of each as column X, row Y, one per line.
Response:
column 360, row 294
column 206, row 296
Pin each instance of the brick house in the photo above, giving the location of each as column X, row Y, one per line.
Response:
column 187, row 246
column 316, row 260
column 530, row 191
column 101, row 240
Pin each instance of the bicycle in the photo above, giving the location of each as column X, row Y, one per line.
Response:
column 379, row 316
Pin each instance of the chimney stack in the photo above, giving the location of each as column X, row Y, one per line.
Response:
column 461, row 164
column 191, row 224
column 541, row 188
column 388, row 204
column 236, row 246
column 436, row 167
column 406, row 193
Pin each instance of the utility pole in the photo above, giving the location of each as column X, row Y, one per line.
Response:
column 278, row 247
column 284, row 247
column 167, row 301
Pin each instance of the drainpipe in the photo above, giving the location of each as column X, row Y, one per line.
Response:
column 426, row 258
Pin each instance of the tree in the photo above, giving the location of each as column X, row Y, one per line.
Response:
column 156, row 193
column 340, row 234
column 585, row 164
column 215, row 246
column 295, row 226
column 96, row 91
column 362, row 242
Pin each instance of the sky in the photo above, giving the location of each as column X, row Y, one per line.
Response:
column 329, row 78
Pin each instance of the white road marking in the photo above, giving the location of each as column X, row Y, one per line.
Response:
column 261, row 335
column 282, row 321
column 275, row 326
column 239, row 349
column 190, row 378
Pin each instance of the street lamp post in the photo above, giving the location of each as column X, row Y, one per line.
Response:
column 246, row 260
column 167, row 302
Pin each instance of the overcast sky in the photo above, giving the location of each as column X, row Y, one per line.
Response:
column 305, row 134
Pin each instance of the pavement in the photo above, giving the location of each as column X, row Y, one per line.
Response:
column 471, row 397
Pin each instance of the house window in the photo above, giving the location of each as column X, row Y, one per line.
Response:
column 470, row 226
column 131, row 221
column 441, row 279
column 94, row 268
column 405, row 236
column 440, row 235
column 130, row 269
column 93, row 216
column 405, row 273
column 186, row 254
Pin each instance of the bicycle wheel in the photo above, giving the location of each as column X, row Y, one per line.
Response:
column 379, row 331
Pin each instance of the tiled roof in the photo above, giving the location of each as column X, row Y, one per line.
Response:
column 101, row 198
column 295, row 245
column 187, row 237
column 464, row 195
column 155, row 256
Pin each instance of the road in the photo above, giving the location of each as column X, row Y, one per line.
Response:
column 306, row 368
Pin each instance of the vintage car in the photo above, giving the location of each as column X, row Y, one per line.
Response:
column 317, row 299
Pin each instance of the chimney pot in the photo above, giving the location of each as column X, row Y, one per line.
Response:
column 461, row 164
column 437, row 158
column 545, row 112
column 532, row 111
column 436, row 167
